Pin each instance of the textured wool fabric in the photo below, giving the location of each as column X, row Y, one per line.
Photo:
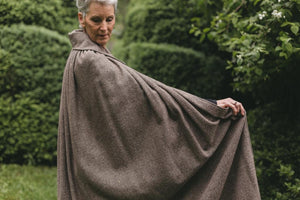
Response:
column 123, row 135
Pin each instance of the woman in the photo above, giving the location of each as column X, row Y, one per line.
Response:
column 99, row 22
column 123, row 135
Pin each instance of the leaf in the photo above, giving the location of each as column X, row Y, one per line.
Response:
column 261, row 61
column 211, row 35
column 234, row 20
column 191, row 31
column 256, row 54
column 295, row 29
column 247, row 42
column 239, row 61
column 257, row 1
column 203, row 36
column 278, row 48
column 195, row 19
column 282, row 54
column 289, row 47
column 258, row 71
column 296, row 49
column 197, row 33
column 286, row 23
column 285, row 39
column 206, row 30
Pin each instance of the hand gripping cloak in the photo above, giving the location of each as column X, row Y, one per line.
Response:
column 125, row 136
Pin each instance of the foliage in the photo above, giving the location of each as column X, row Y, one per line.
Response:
column 32, row 60
column 292, row 186
column 27, row 182
column 159, row 22
column 176, row 66
column 276, row 147
column 262, row 36
column 55, row 14
column 28, row 131
column 166, row 23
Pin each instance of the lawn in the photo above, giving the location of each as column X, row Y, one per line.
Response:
column 27, row 183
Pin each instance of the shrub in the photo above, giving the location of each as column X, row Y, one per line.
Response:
column 167, row 23
column 176, row 66
column 32, row 60
column 159, row 22
column 275, row 138
column 55, row 14
column 28, row 131
column 262, row 37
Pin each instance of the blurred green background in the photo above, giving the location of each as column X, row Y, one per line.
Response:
column 248, row 50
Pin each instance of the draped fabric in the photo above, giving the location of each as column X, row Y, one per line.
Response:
column 123, row 135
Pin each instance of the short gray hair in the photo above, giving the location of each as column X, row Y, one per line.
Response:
column 83, row 5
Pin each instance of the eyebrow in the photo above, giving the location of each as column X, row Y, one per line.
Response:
column 96, row 16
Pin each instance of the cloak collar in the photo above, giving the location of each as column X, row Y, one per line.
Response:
column 81, row 41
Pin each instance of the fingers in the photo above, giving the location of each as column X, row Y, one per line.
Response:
column 237, row 107
column 234, row 105
column 241, row 109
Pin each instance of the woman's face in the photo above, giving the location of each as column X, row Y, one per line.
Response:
column 98, row 22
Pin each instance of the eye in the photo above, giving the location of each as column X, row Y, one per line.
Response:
column 96, row 19
column 109, row 19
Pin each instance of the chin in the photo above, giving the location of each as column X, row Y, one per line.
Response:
column 102, row 43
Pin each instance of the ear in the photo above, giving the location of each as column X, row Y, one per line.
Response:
column 81, row 19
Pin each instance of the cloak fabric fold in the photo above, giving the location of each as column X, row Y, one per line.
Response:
column 123, row 135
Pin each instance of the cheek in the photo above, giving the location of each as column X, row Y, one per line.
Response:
column 111, row 27
column 92, row 30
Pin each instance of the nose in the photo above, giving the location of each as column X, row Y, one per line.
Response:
column 103, row 27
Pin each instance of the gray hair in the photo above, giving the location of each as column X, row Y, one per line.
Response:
column 83, row 5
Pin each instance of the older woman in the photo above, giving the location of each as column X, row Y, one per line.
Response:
column 123, row 135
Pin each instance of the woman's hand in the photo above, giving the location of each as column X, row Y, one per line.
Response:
column 236, row 107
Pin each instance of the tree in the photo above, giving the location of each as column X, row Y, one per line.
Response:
column 33, row 51
column 156, row 30
column 55, row 14
column 262, row 37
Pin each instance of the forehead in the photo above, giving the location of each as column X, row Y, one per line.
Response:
column 100, row 9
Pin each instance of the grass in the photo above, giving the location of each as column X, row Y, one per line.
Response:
column 27, row 183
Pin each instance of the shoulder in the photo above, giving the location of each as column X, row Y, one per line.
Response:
column 93, row 65
column 89, row 57
column 89, row 60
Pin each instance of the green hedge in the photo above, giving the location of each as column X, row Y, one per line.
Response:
column 32, row 61
column 55, row 14
column 156, row 41
column 28, row 131
column 159, row 22
column 275, row 138
column 176, row 66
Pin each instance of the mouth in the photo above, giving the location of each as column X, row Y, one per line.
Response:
column 103, row 36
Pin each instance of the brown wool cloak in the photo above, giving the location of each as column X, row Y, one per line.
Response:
column 123, row 135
